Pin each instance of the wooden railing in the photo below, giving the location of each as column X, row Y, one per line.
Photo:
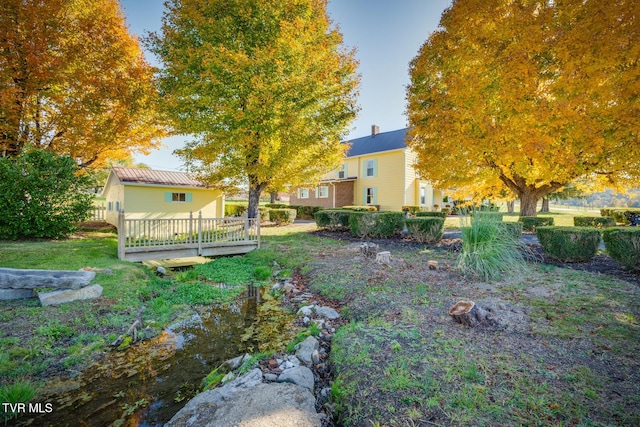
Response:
column 193, row 235
column 98, row 213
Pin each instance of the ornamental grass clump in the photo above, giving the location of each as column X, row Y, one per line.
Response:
column 569, row 244
column 623, row 245
column 426, row 229
column 490, row 250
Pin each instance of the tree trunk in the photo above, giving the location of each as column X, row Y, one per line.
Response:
column 510, row 207
column 467, row 313
column 528, row 203
column 254, row 201
column 274, row 196
column 545, row 205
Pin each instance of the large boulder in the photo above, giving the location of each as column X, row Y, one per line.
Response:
column 300, row 375
column 248, row 402
column 306, row 349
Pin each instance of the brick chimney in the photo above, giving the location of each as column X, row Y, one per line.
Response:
column 375, row 130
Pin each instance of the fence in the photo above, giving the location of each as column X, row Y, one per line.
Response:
column 144, row 239
column 98, row 213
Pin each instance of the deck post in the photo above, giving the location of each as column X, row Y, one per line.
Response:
column 190, row 227
column 247, row 227
column 258, row 222
column 122, row 235
column 199, row 233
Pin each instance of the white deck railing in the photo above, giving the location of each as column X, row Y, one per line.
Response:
column 182, row 233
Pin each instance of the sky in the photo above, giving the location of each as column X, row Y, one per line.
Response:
column 387, row 35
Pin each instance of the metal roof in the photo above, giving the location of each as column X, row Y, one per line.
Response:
column 150, row 176
column 383, row 141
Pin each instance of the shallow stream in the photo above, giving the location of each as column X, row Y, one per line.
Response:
column 149, row 382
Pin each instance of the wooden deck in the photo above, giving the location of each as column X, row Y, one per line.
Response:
column 154, row 239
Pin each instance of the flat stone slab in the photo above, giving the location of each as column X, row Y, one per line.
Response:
column 69, row 295
column 8, row 294
column 300, row 375
column 13, row 278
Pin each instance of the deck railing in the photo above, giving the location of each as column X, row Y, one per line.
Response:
column 193, row 232
column 98, row 213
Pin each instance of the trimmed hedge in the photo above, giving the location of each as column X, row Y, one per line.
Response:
column 531, row 223
column 376, row 224
column 621, row 215
column 333, row 219
column 263, row 212
column 594, row 221
column 512, row 228
column 431, row 214
column 569, row 244
column 278, row 206
column 365, row 208
column 306, row 212
column 488, row 215
column 426, row 229
column 235, row 209
column 413, row 209
column 623, row 245
column 282, row 216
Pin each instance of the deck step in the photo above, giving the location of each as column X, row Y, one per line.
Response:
column 176, row 262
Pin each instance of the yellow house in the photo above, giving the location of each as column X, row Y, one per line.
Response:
column 378, row 170
column 147, row 193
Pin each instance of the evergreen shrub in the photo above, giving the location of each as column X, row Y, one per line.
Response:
column 531, row 223
column 623, row 245
column 432, row 214
column 594, row 221
column 362, row 208
column 282, row 216
column 333, row 219
column 426, row 229
column 569, row 244
column 376, row 224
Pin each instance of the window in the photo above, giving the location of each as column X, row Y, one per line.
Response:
column 370, row 196
column 178, row 197
column 110, row 206
column 342, row 171
column 303, row 193
column 117, row 206
column 371, row 168
column 322, row 192
column 423, row 195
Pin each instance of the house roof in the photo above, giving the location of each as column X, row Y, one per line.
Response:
column 384, row 141
column 155, row 177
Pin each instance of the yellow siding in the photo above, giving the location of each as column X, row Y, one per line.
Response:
column 388, row 182
column 149, row 202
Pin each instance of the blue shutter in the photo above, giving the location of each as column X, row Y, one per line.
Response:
column 364, row 196
column 188, row 197
column 375, row 195
column 167, row 196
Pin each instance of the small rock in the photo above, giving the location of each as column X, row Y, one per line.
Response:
column 237, row 361
column 273, row 364
column 306, row 349
column 307, row 310
column 228, row 378
column 305, row 320
column 300, row 375
column 325, row 392
column 315, row 357
column 161, row 271
column 327, row 312
column 270, row 377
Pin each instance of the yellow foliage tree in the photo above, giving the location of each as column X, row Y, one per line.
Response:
column 533, row 93
column 74, row 81
column 264, row 86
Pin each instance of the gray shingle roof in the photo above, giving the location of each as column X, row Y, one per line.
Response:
column 150, row 176
column 383, row 141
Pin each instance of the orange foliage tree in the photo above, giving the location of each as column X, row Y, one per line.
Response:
column 265, row 87
column 74, row 81
column 533, row 94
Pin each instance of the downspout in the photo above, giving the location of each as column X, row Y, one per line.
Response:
column 333, row 204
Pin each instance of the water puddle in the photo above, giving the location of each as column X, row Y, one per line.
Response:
column 148, row 383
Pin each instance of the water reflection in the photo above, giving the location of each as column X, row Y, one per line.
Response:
column 148, row 383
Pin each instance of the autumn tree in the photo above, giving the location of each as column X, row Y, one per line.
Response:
column 533, row 93
column 73, row 81
column 264, row 87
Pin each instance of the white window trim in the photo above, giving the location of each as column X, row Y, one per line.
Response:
column 319, row 193
column 372, row 168
column 301, row 193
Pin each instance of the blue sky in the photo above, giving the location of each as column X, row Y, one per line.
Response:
column 386, row 33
